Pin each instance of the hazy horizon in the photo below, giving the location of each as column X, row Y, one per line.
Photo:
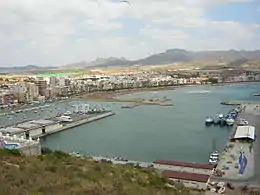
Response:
column 51, row 33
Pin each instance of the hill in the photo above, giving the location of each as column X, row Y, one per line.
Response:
column 173, row 56
column 61, row 174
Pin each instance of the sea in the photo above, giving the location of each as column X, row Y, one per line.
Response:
column 147, row 133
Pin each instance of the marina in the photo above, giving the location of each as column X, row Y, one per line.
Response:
column 146, row 125
column 223, row 120
column 77, row 115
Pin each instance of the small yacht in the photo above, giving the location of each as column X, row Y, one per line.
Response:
column 214, row 157
column 208, row 121
column 65, row 118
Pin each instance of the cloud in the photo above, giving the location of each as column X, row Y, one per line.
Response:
column 50, row 32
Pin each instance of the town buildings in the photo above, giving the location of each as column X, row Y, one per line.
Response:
column 40, row 88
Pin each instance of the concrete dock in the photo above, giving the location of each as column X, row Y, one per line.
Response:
column 229, row 161
column 85, row 120
column 44, row 127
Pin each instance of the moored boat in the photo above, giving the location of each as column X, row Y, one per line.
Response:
column 65, row 118
column 230, row 121
column 222, row 122
column 216, row 121
column 214, row 157
column 208, row 121
column 220, row 116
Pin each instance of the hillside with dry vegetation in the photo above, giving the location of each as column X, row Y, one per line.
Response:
column 61, row 174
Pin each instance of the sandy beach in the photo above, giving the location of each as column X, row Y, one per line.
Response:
column 112, row 96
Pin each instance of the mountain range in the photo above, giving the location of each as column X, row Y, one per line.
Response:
column 230, row 57
column 173, row 56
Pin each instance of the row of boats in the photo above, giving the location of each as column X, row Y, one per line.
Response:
column 223, row 120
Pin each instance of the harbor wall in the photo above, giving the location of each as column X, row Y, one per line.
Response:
column 31, row 150
column 76, row 123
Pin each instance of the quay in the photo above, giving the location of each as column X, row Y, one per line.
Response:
column 89, row 119
column 43, row 127
column 238, row 162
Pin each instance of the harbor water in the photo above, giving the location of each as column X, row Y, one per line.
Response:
column 146, row 133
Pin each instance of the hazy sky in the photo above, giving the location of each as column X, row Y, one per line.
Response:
column 57, row 32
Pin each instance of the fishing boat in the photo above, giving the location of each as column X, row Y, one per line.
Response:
column 216, row 121
column 222, row 122
column 230, row 121
column 220, row 116
column 208, row 121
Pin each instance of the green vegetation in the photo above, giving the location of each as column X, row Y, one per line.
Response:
column 61, row 174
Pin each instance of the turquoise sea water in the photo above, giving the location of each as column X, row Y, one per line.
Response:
column 147, row 133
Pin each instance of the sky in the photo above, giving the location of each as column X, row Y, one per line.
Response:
column 55, row 32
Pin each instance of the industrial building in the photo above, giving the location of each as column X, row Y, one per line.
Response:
column 183, row 166
column 244, row 133
column 191, row 175
column 190, row 180
column 35, row 128
column 27, row 147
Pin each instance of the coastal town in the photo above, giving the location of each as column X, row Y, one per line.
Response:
column 17, row 89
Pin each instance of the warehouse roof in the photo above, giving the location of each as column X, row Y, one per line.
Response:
column 245, row 132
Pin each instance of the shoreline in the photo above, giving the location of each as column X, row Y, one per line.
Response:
column 112, row 96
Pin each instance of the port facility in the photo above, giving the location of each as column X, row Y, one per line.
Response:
column 43, row 127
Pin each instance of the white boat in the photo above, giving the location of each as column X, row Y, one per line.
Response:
column 230, row 121
column 214, row 157
column 208, row 121
column 65, row 118
column 220, row 116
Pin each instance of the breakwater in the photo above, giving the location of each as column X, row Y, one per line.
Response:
column 236, row 103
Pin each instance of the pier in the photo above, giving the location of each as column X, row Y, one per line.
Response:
column 44, row 127
column 88, row 119
column 237, row 103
